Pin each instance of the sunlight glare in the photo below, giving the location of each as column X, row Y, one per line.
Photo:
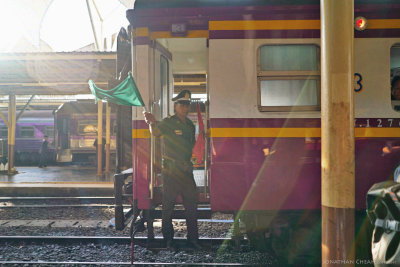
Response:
column 63, row 20
column 11, row 28
column 66, row 25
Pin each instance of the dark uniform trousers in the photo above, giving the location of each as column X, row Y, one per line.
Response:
column 178, row 180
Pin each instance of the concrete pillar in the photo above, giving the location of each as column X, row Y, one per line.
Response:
column 11, row 132
column 337, row 132
column 99, row 137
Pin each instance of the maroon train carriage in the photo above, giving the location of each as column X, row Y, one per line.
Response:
column 76, row 132
column 72, row 130
column 261, row 63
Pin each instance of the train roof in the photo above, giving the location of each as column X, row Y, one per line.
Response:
column 210, row 3
column 140, row 4
column 157, row 15
column 78, row 107
column 33, row 113
column 154, row 4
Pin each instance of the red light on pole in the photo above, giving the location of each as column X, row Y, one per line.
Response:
column 360, row 23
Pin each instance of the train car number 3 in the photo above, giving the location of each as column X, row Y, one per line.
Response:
column 358, row 86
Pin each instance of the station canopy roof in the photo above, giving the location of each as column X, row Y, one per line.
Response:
column 61, row 25
column 53, row 47
column 55, row 73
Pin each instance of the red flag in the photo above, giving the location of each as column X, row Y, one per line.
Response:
column 198, row 150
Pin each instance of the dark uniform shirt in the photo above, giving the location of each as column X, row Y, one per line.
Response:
column 179, row 138
column 44, row 147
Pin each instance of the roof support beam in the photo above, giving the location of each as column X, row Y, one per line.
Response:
column 11, row 133
column 24, row 108
column 4, row 119
column 92, row 23
column 54, row 73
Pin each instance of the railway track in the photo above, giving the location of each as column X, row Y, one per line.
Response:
column 107, row 263
column 156, row 243
column 55, row 223
column 60, row 206
column 71, row 223
column 66, row 202
column 107, row 251
column 56, row 198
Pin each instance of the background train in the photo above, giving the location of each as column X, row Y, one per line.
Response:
column 76, row 132
column 72, row 130
column 260, row 63
column 31, row 128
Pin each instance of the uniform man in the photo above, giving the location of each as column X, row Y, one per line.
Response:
column 179, row 138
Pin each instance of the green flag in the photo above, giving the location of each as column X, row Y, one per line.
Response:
column 125, row 93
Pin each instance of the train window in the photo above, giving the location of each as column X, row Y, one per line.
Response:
column 288, row 77
column 3, row 132
column 49, row 131
column 395, row 76
column 26, row 131
column 295, row 92
column 288, row 57
column 86, row 127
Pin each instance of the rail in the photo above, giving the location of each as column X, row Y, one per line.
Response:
column 60, row 206
column 107, row 263
column 157, row 243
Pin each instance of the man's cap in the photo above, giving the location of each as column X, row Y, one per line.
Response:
column 183, row 97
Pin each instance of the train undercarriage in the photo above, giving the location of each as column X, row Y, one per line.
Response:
column 293, row 236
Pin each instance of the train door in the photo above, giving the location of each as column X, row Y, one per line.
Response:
column 161, row 68
column 64, row 133
column 63, row 151
column 160, row 105
column 181, row 64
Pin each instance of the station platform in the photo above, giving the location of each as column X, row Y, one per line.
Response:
column 56, row 181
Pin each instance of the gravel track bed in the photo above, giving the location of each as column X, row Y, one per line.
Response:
column 117, row 253
column 206, row 229
column 121, row 253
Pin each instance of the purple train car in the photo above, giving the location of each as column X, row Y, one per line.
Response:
column 31, row 127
